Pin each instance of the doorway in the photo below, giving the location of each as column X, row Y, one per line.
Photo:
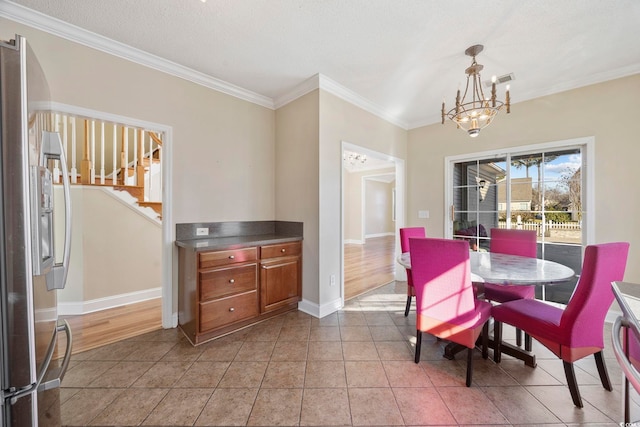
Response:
column 371, row 186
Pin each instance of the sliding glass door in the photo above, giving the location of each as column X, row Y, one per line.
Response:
column 539, row 189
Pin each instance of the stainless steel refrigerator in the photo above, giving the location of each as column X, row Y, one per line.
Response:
column 30, row 270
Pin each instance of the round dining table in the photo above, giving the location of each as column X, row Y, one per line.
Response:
column 508, row 270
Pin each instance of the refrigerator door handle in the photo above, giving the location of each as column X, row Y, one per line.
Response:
column 52, row 148
column 62, row 369
column 59, row 372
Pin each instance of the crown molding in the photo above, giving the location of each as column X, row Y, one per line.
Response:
column 51, row 25
column 320, row 81
column 76, row 34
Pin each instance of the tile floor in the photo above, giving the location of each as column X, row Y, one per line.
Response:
column 354, row 367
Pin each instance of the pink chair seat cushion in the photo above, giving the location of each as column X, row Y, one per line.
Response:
column 504, row 293
column 463, row 329
column 544, row 321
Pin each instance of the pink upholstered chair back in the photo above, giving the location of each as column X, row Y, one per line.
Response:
column 407, row 233
column 442, row 278
column 588, row 306
column 514, row 242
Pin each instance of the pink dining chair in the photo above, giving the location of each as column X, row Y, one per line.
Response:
column 445, row 303
column 512, row 242
column 405, row 234
column 576, row 331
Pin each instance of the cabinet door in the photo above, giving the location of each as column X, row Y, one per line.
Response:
column 280, row 282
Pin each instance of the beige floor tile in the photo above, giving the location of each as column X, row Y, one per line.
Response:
column 277, row 407
column 294, row 333
column 405, row 374
column 264, row 332
column 116, row 351
column 182, row 352
column 122, row 375
column 325, row 374
column 255, row 351
column 351, row 318
column 325, row 333
column 150, row 350
column 325, row 350
column 374, row 406
column 284, row 375
column 519, row 406
column 394, row 350
column 243, row 375
column 163, row 374
column 488, row 373
column 423, row 406
column 180, row 407
column 558, row 400
column 220, row 351
column 203, row 375
column 378, row 319
column 526, row 375
column 329, row 320
column 445, row 373
column 228, row 407
column 469, row 405
column 85, row 405
column 386, row 333
column 365, row 374
column 325, row 407
column 84, row 373
column 290, row 351
column 359, row 350
column 355, row 333
column 131, row 407
column 607, row 402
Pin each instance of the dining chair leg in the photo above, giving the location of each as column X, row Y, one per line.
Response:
column 527, row 342
column 418, row 344
column 469, row 366
column 572, row 383
column 485, row 340
column 602, row 370
column 408, row 307
column 497, row 339
column 518, row 337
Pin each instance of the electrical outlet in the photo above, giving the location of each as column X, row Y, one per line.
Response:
column 423, row 214
column 202, row 231
column 332, row 279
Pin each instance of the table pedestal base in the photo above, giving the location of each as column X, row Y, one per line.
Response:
column 527, row 357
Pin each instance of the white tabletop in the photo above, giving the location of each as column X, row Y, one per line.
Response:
column 510, row 269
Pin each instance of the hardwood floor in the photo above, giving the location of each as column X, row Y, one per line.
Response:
column 368, row 266
column 108, row 326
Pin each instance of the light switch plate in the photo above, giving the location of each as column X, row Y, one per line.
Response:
column 423, row 214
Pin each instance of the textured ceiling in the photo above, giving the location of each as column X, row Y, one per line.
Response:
column 403, row 56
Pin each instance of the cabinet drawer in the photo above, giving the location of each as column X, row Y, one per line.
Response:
column 220, row 312
column 282, row 249
column 216, row 258
column 227, row 281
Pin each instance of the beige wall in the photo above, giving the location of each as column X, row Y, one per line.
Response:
column 377, row 212
column 297, row 184
column 112, row 262
column 223, row 147
column 341, row 121
column 608, row 111
column 353, row 226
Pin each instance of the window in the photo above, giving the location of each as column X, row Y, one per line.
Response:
column 539, row 188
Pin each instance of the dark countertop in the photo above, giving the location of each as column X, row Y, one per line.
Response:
column 233, row 242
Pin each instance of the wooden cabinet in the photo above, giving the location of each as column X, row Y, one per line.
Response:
column 280, row 275
column 221, row 291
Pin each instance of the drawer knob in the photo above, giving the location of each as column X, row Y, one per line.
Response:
column 283, row 250
column 232, row 256
column 232, row 281
column 232, row 309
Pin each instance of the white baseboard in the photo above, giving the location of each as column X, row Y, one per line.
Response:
column 369, row 236
column 320, row 311
column 84, row 307
column 354, row 242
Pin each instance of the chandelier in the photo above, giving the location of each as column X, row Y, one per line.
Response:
column 477, row 112
column 354, row 158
